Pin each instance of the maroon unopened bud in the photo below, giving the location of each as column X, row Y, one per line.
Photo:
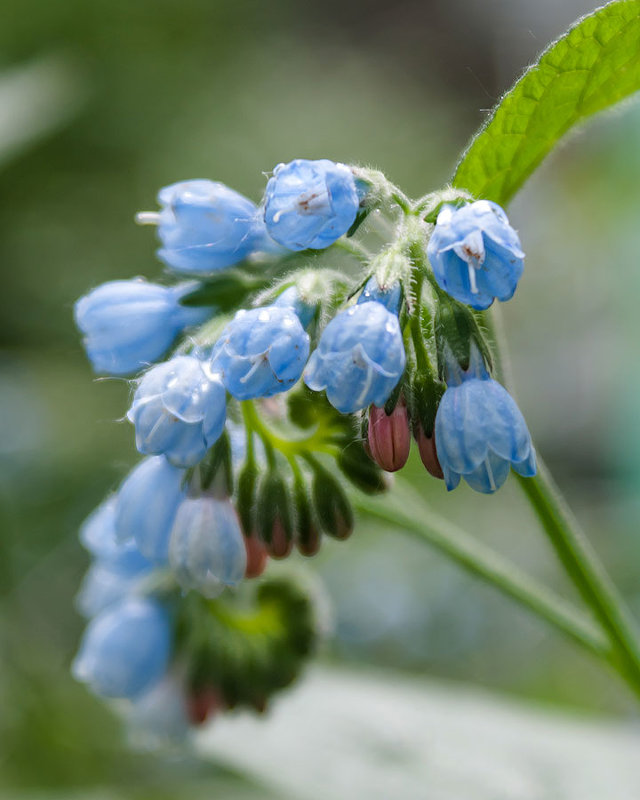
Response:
column 428, row 452
column 256, row 557
column 281, row 542
column 310, row 543
column 389, row 437
column 203, row 703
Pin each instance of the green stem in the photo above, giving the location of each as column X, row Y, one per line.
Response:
column 416, row 518
column 317, row 441
column 584, row 568
column 579, row 560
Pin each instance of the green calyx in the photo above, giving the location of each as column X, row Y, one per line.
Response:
column 247, row 647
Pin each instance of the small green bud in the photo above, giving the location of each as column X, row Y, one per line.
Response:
column 423, row 399
column 307, row 533
column 332, row 505
column 360, row 469
column 246, row 496
column 216, row 469
column 456, row 328
column 274, row 518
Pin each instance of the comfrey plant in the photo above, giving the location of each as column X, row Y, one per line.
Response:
column 320, row 331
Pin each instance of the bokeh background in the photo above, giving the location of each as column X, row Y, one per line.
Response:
column 104, row 101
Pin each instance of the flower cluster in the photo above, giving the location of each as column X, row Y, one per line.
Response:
column 297, row 350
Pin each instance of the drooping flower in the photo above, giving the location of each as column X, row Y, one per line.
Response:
column 128, row 325
column 261, row 352
column 207, row 550
column 125, row 649
column 480, row 432
column 359, row 359
column 118, row 568
column 204, row 226
column 179, row 410
column 147, row 503
column 310, row 204
column 475, row 254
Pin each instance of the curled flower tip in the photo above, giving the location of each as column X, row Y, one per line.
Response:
column 480, row 433
column 203, row 703
column 310, row 204
column 261, row 352
column 475, row 254
column 388, row 437
column 206, row 549
column 205, row 226
column 257, row 557
column 359, row 359
column 179, row 410
column 429, row 453
column 128, row 325
column 125, row 649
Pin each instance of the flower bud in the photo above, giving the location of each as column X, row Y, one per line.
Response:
column 204, row 226
column 428, row 452
column 128, row 325
column 257, row 557
column 202, row 703
column 273, row 516
column 359, row 359
column 179, row 410
column 261, row 352
column 206, row 548
column 310, row 203
column 147, row 503
column 246, row 496
column 307, row 533
column 389, row 437
column 332, row 505
column 360, row 469
column 125, row 649
column 475, row 254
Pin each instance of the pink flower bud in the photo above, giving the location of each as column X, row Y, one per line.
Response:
column 256, row 557
column 202, row 703
column 389, row 437
column 428, row 452
column 281, row 542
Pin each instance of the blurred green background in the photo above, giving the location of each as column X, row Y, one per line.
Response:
column 104, row 101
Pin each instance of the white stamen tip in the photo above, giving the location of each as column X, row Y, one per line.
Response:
column 147, row 218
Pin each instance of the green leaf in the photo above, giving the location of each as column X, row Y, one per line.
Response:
column 594, row 65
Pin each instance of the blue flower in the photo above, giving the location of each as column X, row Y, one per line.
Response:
column 179, row 410
column 207, row 550
column 480, row 431
column 98, row 536
column 205, row 226
column 310, row 203
column 119, row 566
column 360, row 358
column 261, row 352
column 128, row 325
column 389, row 296
column 146, row 506
column 290, row 298
column 125, row 649
column 475, row 254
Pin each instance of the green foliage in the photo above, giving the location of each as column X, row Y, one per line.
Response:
column 594, row 65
